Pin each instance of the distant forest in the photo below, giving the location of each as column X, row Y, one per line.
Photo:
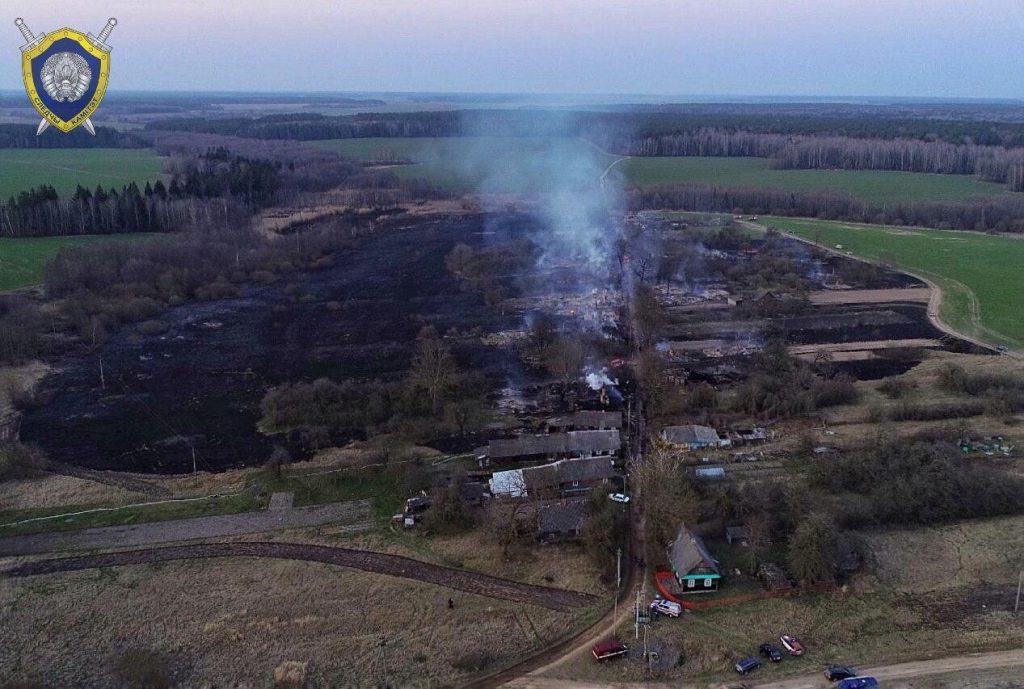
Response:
column 24, row 136
column 993, row 151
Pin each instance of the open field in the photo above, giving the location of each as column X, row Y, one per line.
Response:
column 873, row 186
column 22, row 260
column 979, row 274
column 495, row 164
column 64, row 169
column 238, row 619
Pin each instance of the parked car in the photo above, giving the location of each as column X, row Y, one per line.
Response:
column 858, row 683
column 771, row 652
column 606, row 650
column 792, row 644
column 618, row 497
column 666, row 607
column 747, row 665
column 834, row 673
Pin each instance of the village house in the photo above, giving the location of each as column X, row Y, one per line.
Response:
column 585, row 420
column 563, row 478
column 695, row 570
column 561, row 521
column 693, row 437
column 738, row 535
column 593, row 443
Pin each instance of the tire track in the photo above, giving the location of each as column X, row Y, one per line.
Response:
column 367, row 561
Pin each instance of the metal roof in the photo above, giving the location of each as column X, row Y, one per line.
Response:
column 690, row 434
column 573, row 442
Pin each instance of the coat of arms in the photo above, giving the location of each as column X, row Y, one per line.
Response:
column 65, row 73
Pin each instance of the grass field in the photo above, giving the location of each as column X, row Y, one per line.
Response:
column 874, row 186
column 22, row 169
column 980, row 275
column 497, row 164
column 22, row 260
column 524, row 164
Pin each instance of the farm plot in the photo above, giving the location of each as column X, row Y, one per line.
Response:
column 979, row 275
column 873, row 186
column 64, row 169
column 231, row 622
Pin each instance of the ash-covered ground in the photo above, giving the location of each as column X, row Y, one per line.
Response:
column 200, row 383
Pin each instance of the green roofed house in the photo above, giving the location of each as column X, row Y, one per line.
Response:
column 695, row 570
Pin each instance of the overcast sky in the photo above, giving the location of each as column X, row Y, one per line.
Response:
column 940, row 48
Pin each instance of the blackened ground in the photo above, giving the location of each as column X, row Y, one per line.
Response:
column 200, row 383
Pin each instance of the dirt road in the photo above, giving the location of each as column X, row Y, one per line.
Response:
column 381, row 563
column 960, row 670
column 217, row 526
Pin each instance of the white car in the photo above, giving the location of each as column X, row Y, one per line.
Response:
column 618, row 497
column 666, row 607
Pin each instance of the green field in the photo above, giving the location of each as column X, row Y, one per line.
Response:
column 496, row 164
column 980, row 275
column 64, row 169
column 873, row 186
column 527, row 164
column 22, row 260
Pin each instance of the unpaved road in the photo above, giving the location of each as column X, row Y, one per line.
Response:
column 961, row 671
column 380, row 563
column 218, row 526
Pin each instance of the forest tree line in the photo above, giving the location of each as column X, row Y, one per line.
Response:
column 991, row 151
column 214, row 186
column 24, row 136
column 983, row 214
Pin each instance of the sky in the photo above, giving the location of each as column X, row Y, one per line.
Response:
column 926, row 48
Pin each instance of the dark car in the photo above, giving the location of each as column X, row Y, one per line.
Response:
column 858, row 683
column 772, row 653
column 834, row 673
column 747, row 665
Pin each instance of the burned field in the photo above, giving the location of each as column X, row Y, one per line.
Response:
column 200, row 383
column 743, row 292
column 143, row 401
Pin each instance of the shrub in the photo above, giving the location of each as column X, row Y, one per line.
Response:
column 142, row 670
column 472, row 661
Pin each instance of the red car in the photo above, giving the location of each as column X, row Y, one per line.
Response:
column 606, row 650
column 792, row 644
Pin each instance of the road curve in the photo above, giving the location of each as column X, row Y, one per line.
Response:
column 367, row 561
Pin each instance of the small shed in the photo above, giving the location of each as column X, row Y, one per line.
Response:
column 737, row 535
column 561, row 521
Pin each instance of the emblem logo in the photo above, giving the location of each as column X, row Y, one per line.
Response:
column 65, row 74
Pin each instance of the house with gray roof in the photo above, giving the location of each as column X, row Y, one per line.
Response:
column 694, row 568
column 561, row 521
column 557, row 445
column 693, row 437
column 586, row 420
column 563, row 478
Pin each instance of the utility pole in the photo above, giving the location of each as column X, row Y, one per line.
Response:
column 194, row 470
column 383, row 663
column 618, row 578
column 103, row 378
column 636, row 618
column 1020, row 581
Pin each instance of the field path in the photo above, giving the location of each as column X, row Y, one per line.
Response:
column 216, row 526
column 367, row 561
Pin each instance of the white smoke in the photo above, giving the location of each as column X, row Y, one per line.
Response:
column 598, row 380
